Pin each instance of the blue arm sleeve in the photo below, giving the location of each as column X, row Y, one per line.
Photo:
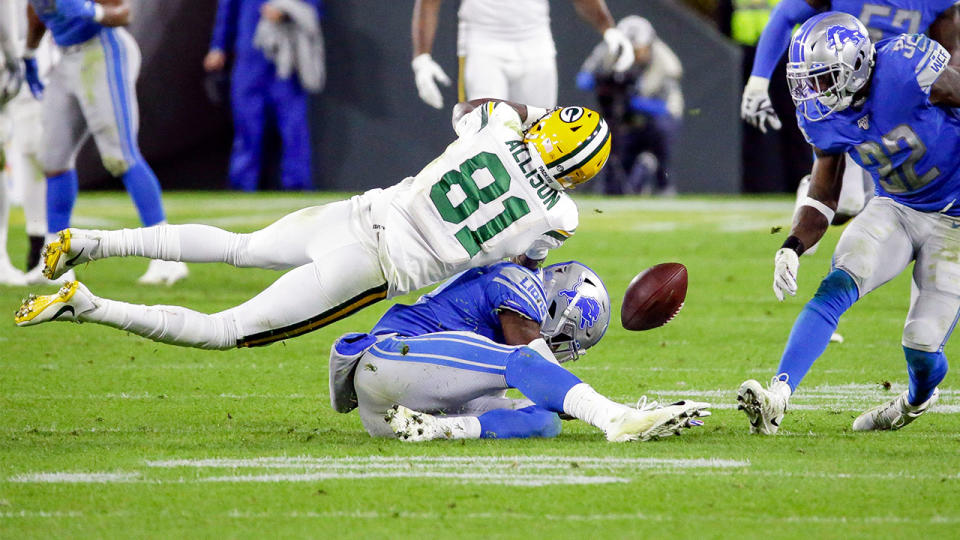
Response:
column 776, row 35
column 225, row 27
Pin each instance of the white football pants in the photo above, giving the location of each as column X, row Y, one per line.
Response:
column 331, row 251
column 532, row 81
column 883, row 239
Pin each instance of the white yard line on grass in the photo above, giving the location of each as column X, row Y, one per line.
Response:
column 76, row 478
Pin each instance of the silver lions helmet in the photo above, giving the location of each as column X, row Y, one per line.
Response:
column 578, row 309
column 830, row 60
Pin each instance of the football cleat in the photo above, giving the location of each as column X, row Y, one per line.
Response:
column 68, row 250
column 413, row 426
column 764, row 407
column 649, row 422
column 893, row 415
column 164, row 272
column 72, row 300
column 574, row 143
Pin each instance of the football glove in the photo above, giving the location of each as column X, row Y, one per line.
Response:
column 621, row 49
column 755, row 106
column 427, row 73
column 786, row 264
column 32, row 74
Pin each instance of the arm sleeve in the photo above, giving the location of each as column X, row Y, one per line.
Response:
column 776, row 35
column 225, row 26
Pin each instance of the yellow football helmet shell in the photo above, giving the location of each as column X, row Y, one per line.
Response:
column 574, row 143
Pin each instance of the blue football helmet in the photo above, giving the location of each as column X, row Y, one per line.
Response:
column 578, row 309
column 831, row 57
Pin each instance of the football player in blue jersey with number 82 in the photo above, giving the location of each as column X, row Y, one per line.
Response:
column 890, row 106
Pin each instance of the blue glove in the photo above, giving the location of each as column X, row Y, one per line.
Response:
column 648, row 106
column 32, row 74
column 585, row 81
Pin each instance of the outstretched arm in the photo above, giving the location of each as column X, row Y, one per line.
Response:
column 812, row 220
column 946, row 31
column 526, row 112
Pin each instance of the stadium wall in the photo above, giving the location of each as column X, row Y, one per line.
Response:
column 369, row 127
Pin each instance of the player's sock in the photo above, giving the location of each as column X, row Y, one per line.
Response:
column 816, row 323
column 36, row 247
column 926, row 370
column 167, row 324
column 540, row 380
column 527, row 422
column 61, row 195
column 585, row 403
column 144, row 189
column 187, row 243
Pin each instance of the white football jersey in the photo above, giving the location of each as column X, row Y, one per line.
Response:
column 485, row 24
column 484, row 199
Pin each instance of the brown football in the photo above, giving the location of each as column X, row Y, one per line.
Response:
column 654, row 297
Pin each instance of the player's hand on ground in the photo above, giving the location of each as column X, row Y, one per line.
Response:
column 786, row 264
column 621, row 49
column 214, row 61
column 755, row 106
column 427, row 73
column 32, row 74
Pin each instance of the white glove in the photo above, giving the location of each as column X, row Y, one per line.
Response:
column 621, row 48
column 786, row 264
column 426, row 72
column 755, row 107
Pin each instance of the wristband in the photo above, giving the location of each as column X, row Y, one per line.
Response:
column 29, row 54
column 794, row 243
column 819, row 207
column 98, row 13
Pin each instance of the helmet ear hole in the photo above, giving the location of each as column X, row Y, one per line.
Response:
column 858, row 64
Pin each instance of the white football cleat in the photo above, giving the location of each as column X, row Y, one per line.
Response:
column 164, row 273
column 10, row 275
column 67, row 304
column 764, row 407
column 71, row 248
column 413, row 426
column 893, row 415
column 650, row 422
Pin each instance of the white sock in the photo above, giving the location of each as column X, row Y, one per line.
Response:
column 167, row 324
column 585, row 403
column 460, row 427
column 187, row 243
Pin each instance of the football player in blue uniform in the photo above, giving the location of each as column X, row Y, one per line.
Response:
column 92, row 90
column 883, row 19
column 890, row 107
column 438, row 369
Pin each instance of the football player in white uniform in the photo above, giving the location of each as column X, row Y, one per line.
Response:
column 11, row 79
column 23, row 144
column 506, row 49
column 497, row 191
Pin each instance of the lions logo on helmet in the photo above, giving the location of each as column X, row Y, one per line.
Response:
column 574, row 143
column 589, row 307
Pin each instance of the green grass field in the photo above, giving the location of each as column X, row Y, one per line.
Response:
column 104, row 434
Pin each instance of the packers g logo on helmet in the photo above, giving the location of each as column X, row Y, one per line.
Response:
column 574, row 143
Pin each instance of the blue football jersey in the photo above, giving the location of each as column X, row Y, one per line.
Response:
column 471, row 302
column 907, row 144
column 63, row 19
column 889, row 18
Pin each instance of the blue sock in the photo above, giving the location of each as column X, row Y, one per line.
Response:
column 816, row 323
column 926, row 370
column 144, row 189
column 519, row 424
column 540, row 380
column 61, row 196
